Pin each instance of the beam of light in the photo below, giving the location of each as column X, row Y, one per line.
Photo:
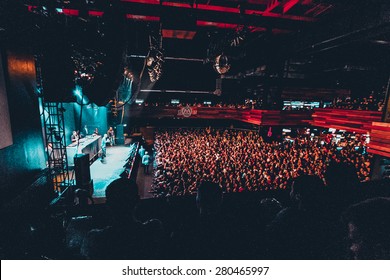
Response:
column 81, row 98
column 289, row 5
column 78, row 92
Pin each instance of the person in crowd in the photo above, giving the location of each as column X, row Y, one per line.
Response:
column 300, row 231
column 111, row 136
column 104, row 146
column 126, row 238
column 208, row 237
column 146, row 162
column 374, row 102
column 209, row 198
column 368, row 229
column 211, row 227
column 342, row 186
column 269, row 208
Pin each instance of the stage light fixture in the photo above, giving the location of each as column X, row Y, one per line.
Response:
column 128, row 75
column 149, row 61
column 221, row 64
column 239, row 36
column 154, row 62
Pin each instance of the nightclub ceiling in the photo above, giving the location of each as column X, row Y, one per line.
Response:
column 320, row 37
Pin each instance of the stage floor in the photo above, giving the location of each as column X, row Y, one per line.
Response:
column 103, row 172
column 106, row 171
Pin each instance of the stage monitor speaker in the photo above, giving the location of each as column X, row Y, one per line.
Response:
column 120, row 138
column 82, row 171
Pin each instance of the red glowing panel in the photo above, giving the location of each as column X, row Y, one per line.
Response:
column 70, row 12
column 142, row 18
column 95, row 13
column 265, row 2
column 152, row 2
column 275, row 15
column 289, row 5
column 178, row 34
column 272, row 5
column 257, row 29
column 215, row 24
column 174, row 4
column 299, row 18
column 218, row 8
column 31, row 8
column 202, row 7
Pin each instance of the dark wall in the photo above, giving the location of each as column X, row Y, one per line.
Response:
column 5, row 123
column 20, row 162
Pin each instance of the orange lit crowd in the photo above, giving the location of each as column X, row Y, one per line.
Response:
column 242, row 161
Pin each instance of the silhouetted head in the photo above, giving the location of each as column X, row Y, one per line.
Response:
column 269, row 208
column 209, row 197
column 306, row 191
column 368, row 224
column 341, row 175
column 122, row 196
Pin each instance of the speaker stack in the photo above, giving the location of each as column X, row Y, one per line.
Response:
column 83, row 173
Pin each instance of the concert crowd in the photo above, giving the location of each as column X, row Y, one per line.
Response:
column 242, row 161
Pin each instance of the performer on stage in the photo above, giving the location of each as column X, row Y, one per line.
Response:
column 141, row 151
column 145, row 162
column 103, row 146
column 111, row 136
column 75, row 136
column 96, row 132
column 86, row 130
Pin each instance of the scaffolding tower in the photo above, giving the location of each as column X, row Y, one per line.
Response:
column 53, row 124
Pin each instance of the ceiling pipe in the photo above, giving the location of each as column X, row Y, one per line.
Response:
column 354, row 36
column 170, row 58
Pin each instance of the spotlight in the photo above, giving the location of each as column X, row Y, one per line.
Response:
column 154, row 62
column 221, row 64
column 127, row 74
column 88, row 65
column 149, row 61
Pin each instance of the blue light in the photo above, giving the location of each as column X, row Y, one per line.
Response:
column 59, row 10
column 78, row 91
column 80, row 97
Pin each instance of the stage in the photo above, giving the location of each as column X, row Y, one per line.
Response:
column 103, row 172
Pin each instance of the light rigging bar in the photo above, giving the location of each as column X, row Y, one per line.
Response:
column 169, row 58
